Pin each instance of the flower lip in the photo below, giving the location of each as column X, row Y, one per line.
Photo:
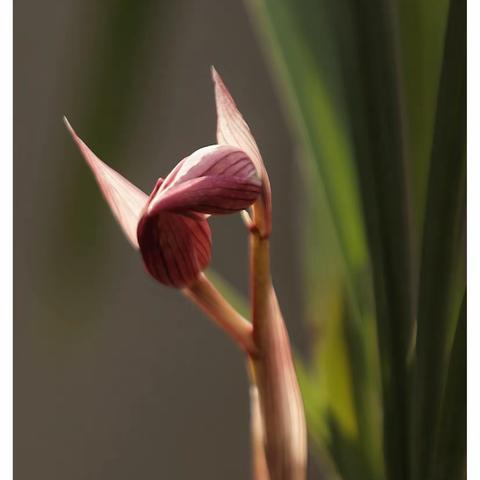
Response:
column 175, row 248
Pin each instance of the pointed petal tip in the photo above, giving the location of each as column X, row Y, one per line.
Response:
column 219, row 84
column 215, row 75
column 67, row 124
column 73, row 133
column 125, row 200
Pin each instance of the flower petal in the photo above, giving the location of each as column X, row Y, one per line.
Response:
column 216, row 179
column 175, row 248
column 213, row 160
column 211, row 195
column 232, row 129
column 125, row 199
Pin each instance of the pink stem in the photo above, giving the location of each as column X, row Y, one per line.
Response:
column 203, row 293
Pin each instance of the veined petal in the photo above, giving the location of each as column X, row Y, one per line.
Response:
column 210, row 195
column 213, row 160
column 232, row 129
column 175, row 248
column 216, row 179
column 125, row 199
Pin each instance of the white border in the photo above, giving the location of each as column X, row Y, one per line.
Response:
column 6, row 270
column 473, row 239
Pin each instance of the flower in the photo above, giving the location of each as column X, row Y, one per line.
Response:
column 171, row 230
column 170, row 226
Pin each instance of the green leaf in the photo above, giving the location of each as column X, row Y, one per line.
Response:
column 339, row 64
column 422, row 30
column 317, row 113
column 349, row 456
column 440, row 253
column 344, row 361
column 450, row 457
column 336, row 247
column 371, row 73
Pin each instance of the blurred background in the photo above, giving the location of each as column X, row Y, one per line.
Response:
column 115, row 375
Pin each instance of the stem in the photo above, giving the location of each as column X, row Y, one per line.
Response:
column 257, row 429
column 204, row 294
column 279, row 393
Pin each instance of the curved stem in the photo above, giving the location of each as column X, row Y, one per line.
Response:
column 204, row 294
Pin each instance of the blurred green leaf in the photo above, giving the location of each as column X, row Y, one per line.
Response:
column 104, row 98
column 349, row 455
column 421, row 33
column 335, row 237
column 107, row 103
column 369, row 56
column 440, row 241
column 358, row 142
column 344, row 361
column 450, row 456
column 317, row 113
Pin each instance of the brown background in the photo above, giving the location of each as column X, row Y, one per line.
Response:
column 117, row 377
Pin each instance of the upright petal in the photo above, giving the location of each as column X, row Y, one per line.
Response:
column 232, row 129
column 175, row 248
column 125, row 199
column 216, row 179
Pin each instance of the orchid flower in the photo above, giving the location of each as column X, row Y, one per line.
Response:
column 170, row 228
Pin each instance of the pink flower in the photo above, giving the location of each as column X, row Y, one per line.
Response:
column 171, row 230
column 170, row 226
